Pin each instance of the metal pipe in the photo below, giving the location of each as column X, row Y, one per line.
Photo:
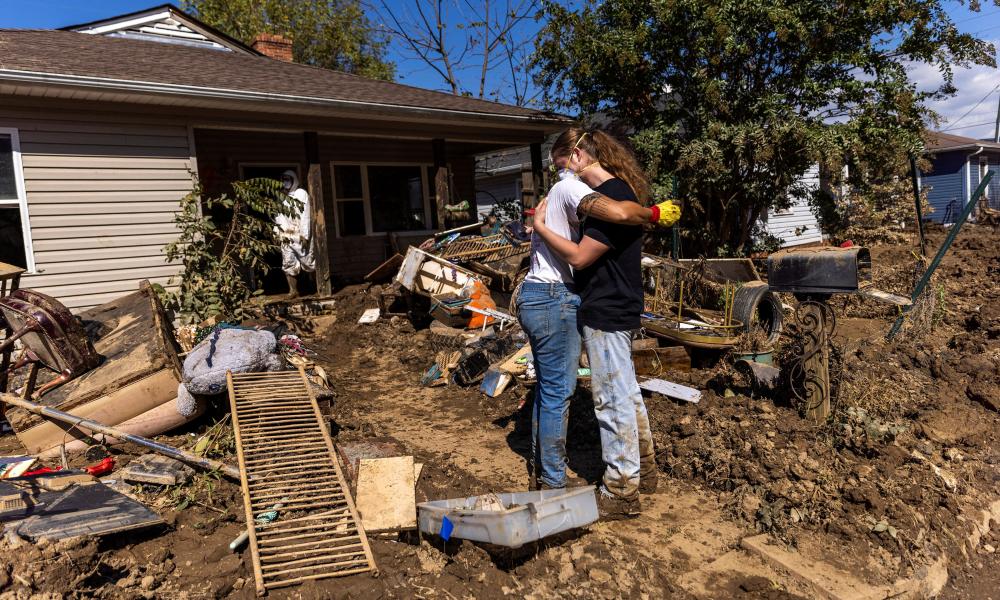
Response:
column 952, row 234
column 94, row 426
column 915, row 174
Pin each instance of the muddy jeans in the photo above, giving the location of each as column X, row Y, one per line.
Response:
column 621, row 412
column 547, row 312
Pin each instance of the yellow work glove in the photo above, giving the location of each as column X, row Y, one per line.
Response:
column 665, row 213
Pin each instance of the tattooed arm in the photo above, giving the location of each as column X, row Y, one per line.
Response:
column 579, row 256
column 623, row 212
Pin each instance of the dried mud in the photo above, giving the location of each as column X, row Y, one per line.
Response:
column 733, row 465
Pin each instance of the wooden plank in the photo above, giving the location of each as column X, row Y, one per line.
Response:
column 673, row 390
column 386, row 494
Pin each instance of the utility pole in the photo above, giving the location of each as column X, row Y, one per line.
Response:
column 996, row 129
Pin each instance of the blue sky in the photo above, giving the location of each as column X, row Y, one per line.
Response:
column 971, row 112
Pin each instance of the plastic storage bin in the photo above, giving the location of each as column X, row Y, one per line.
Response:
column 533, row 516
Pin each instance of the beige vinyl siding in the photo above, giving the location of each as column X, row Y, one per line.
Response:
column 102, row 193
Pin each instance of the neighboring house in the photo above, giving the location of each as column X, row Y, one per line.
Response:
column 103, row 124
column 958, row 165
column 499, row 177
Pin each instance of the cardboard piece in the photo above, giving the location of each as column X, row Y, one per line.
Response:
column 351, row 453
column 386, row 497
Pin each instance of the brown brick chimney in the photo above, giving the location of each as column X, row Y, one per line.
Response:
column 274, row 46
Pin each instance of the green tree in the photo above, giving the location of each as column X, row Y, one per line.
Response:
column 217, row 258
column 738, row 98
column 334, row 34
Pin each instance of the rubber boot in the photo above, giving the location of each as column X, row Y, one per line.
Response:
column 293, row 286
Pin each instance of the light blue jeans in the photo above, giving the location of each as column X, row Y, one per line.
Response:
column 547, row 312
column 621, row 412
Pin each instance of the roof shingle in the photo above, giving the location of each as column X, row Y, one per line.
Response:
column 71, row 53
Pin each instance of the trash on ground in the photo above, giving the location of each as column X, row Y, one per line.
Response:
column 369, row 316
column 672, row 390
column 525, row 516
column 351, row 453
column 157, row 470
column 15, row 466
column 140, row 373
column 81, row 508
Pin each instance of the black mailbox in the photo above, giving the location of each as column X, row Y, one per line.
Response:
column 819, row 270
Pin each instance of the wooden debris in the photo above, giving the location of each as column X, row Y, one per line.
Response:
column 672, row 390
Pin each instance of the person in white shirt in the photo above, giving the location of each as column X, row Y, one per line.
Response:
column 546, row 307
column 295, row 234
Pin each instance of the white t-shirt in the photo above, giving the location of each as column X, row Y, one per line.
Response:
column 561, row 218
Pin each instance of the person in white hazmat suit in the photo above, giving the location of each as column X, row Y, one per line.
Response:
column 296, row 235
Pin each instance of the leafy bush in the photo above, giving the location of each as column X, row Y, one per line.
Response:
column 218, row 259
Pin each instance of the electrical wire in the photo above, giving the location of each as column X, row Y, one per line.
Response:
column 968, row 112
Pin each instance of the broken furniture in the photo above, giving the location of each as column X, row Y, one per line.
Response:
column 80, row 424
column 750, row 302
column 813, row 275
column 82, row 506
column 425, row 274
column 520, row 517
column 286, row 456
column 51, row 337
column 130, row 389
column 10, row 281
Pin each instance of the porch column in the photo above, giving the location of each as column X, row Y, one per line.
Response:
column 531, row 181
column 441, row 192
column 321, row 209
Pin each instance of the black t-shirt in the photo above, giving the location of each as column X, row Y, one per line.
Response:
column 611, row 288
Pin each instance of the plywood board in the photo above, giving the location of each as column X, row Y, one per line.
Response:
column 386, row 496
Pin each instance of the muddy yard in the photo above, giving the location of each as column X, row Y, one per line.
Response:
column 893, row 496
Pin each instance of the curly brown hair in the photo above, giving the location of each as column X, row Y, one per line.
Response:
column 613, row 155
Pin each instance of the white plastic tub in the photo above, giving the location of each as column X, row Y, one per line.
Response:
column 532, row 516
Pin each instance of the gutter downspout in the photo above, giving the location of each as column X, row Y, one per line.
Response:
column 968, row 174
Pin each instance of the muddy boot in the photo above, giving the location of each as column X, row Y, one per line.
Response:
column 648, row 475
column 293, row 286
column 571, row 482
column 613, row 507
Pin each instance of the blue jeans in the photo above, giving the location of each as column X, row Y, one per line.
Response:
column 547, row 312
column 621, row 412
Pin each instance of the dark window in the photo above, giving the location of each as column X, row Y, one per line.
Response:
column 11, row 237
column 8, row 183
column 397, row 198
column 351, row 217
column 348, row 181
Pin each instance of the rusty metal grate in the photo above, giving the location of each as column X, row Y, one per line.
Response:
column 287, row 458
column 488, row 248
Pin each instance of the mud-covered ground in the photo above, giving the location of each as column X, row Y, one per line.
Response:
column 888, row 486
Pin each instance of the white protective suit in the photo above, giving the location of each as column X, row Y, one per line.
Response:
column 295, row 233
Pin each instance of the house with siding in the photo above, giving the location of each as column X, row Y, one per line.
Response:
column 104, row 125
column 501, row 177
column 958, row 165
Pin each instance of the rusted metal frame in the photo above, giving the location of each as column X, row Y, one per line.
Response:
column 258, row 573
column 312, row 564
column 340, row 477
column 305, row 578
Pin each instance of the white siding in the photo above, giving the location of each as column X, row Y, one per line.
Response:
column 797, row 225
column 490, row 190
column 102, row 194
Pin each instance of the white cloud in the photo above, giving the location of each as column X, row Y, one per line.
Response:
column 972, row 84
